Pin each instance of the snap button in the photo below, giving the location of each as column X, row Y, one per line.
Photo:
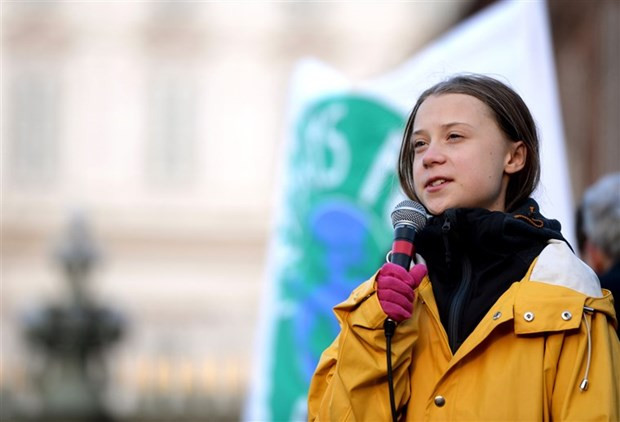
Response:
column 440, row 401
column 566, row 315
column 497, row 314
column 528, row 316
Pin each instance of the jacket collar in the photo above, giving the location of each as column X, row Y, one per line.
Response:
column 474, row 255
column 533, row 306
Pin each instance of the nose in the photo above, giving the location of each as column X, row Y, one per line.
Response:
column 433, row 155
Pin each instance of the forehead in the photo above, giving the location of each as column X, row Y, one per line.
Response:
column 449, row 108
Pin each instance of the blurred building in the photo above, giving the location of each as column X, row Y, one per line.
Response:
column 163, row 122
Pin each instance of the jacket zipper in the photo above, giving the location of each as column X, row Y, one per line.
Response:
column 456, row 307
column 458, row 300
column 445, row 229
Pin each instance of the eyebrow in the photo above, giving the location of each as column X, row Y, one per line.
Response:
column 444, row 126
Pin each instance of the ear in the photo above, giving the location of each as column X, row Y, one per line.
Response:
column 515, row 158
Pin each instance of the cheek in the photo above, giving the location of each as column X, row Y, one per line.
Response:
column 417, row 175
column 417, row 166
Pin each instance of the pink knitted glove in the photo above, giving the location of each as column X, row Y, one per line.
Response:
column 395, row 287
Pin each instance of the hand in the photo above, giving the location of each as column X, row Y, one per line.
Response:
column 395, row 287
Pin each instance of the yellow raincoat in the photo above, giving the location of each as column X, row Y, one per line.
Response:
column 547, row 350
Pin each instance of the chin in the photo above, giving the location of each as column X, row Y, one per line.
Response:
column 436, row 205
column 436, row 210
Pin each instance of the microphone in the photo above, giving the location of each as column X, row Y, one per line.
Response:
column 408, row 218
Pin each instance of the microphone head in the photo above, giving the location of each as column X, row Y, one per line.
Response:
column 411, row 213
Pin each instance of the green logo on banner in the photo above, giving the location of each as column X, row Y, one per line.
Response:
column 334, row 233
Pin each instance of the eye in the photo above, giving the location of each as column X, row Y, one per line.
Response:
column 419, row 144
column 454, row 136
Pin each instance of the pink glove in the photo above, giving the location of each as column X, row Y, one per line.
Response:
column 395, row 287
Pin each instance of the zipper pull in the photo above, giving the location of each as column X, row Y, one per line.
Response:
column 445, row 229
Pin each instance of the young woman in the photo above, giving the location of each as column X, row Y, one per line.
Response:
column 509, row 324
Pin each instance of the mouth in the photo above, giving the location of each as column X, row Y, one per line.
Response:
column 435, row 182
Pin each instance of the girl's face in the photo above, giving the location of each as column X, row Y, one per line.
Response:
column 462, row 158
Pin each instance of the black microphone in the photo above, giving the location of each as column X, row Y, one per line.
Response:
column 408, row 218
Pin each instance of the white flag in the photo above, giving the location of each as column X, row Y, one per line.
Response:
column 339, row 184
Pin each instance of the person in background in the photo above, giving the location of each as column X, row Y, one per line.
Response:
column 598, row 220
column 507, row 323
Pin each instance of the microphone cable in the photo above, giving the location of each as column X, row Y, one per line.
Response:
column 389, row 327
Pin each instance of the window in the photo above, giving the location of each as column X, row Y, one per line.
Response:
column 33, row 113
column 172, row 129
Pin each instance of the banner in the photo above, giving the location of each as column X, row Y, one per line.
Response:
column 332, row 228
